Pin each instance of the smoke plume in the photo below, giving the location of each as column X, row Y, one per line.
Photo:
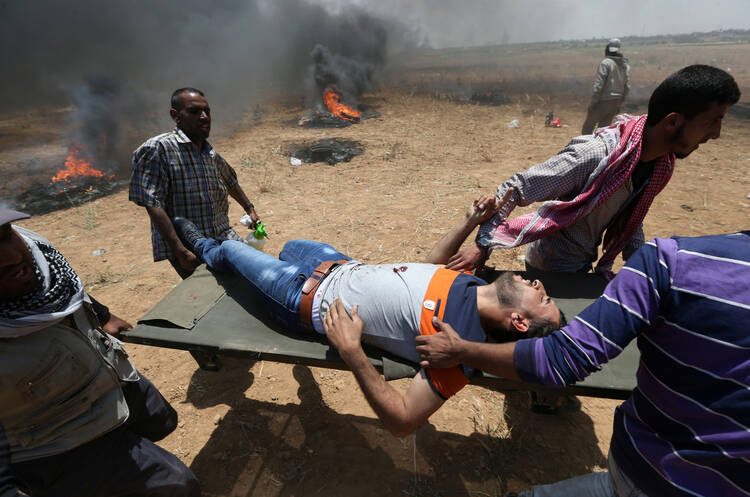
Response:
column 116, row 64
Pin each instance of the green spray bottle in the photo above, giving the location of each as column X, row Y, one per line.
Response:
column 257, row 238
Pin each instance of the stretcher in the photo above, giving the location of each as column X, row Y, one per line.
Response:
column 214, row 314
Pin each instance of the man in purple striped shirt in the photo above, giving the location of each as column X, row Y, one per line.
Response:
column 686, row 428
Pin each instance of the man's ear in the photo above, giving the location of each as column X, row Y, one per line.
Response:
column 519, row 322
column 673, row 121
column 174, row 114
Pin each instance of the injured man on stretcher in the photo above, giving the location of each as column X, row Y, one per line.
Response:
column 312, row 287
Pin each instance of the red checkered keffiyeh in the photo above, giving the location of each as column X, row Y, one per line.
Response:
column 555, row 215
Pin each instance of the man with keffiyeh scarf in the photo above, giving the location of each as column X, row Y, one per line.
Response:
column 598, row 189
column 76, row 418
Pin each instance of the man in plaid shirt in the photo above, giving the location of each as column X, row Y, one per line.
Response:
column 180, row 174
column 597, row 190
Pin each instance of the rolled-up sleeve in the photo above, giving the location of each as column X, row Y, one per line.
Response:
column 149, row 185
column 227, row 172
column 561, row 177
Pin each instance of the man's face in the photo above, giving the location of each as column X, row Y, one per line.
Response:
column 194, row 117
column 533, row 298
column 17, row 277
column 701, row 128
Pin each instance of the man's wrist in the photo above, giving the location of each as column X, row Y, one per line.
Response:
column 249, row 206
column 352, row 355
column 483, row 241
column 461, row 350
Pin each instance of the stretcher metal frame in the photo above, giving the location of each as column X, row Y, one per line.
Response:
column 215, row 314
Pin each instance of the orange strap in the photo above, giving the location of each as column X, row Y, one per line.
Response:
column 451, row 380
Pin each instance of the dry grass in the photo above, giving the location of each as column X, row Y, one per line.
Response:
column 304, row 430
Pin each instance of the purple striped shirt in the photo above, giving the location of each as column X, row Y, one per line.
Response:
column 686, row 428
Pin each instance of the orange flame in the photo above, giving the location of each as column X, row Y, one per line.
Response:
column 343, row 111
column 76, row 166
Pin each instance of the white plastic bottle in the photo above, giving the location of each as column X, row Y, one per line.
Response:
column 257, row 238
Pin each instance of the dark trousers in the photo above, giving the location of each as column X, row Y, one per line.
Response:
column 600, row 115
column 123, row 463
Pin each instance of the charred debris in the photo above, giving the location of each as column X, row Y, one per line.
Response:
column 328, row 150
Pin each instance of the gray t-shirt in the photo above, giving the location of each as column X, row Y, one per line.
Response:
column 389, row 297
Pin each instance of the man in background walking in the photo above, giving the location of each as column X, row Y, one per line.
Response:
column 611, row 87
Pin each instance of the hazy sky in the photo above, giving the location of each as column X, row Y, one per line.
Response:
column 446, row 23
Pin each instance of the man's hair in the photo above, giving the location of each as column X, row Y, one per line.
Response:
column 538, row 327
column 690, row 91
column 505, row 287
column 176, row 101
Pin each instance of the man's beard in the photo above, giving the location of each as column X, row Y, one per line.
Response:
column 676, row 141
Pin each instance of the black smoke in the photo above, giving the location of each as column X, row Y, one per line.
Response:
column 115, row 64
column 352, row 76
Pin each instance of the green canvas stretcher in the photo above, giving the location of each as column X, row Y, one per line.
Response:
column 214, row 313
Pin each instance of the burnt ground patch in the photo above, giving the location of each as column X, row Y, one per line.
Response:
column 42, row 199
column 328, row 150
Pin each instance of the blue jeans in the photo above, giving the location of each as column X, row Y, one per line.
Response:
column 612, row 483
column 276, row 282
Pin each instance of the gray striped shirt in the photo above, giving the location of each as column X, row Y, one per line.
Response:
column 562, row 177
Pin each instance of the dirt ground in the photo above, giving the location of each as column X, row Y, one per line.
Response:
column 268, row 429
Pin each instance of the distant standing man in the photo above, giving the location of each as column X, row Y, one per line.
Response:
column 611, row 87
column 598, row 189
column 180, row 174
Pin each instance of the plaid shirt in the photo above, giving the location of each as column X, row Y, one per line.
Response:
column 564, row 176
column 171, row 173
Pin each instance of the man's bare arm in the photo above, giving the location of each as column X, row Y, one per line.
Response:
column 446, row 349
column 164, row 226
column 115, row 325
column 401, row 414
column 238, row 194
column 473, row 256
column 482, row 209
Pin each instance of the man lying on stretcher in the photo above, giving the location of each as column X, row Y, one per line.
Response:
column 312, row 287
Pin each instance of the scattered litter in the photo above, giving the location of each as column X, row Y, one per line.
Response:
column 514, row 123
column 295, row 161
column 552, row 121
column 687, row 207
column 747, row 196
column 98, row 252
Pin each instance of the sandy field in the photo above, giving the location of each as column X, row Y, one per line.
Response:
column 266, row 429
